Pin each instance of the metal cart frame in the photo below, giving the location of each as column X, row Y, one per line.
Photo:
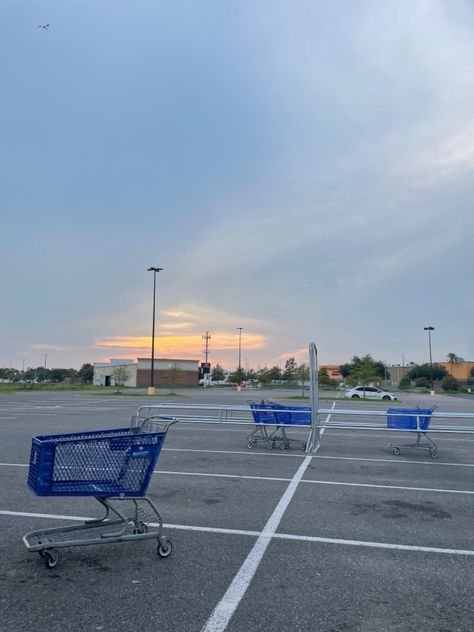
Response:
column 126, row 516
column 412, row 420
column 279, row 415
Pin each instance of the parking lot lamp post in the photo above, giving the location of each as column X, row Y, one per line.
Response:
column 240, row 356
column 151, row 388
column 429, row 330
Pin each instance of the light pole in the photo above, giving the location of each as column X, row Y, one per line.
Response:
column 429, row 330
column 151, row 389
column 240, row 355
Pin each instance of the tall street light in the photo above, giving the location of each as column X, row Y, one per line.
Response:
column 240, row 354
column 151, row 389
column 429, row 330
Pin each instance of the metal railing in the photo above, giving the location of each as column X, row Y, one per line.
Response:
column 346, row 419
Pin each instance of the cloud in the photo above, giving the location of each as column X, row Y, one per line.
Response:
column 177, row 325
column 188, row 344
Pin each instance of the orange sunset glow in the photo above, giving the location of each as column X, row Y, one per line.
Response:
column 186, row 345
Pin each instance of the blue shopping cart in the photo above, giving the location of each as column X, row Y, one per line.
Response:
column 113, row 466
column 412, row 420
column 267, row 413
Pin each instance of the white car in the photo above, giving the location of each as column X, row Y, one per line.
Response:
column 371, row 392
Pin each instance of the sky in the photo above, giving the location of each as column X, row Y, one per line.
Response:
column 299, row 169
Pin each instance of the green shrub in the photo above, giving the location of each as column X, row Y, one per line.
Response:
column 450, row 383
column 422, row 382
column 405, row 383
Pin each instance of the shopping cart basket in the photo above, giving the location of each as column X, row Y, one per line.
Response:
column 279, row 416
column 113, row 466
column 413, row 420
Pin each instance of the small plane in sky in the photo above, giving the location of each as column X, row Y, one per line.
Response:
column 43, row 26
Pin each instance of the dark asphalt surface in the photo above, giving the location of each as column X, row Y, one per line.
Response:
column 354, row 489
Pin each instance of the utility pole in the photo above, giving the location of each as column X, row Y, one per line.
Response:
column 45, row 358
column 240, row 357
column 206, row 337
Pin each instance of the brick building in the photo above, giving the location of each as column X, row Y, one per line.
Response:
column 138, row 374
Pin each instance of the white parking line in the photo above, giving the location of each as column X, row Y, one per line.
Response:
column 303, row 482
column 320, row 456
column 279, row 536
column 222, row 613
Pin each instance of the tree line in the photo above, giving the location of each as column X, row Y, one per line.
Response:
column 41, row 374
column 360, row 370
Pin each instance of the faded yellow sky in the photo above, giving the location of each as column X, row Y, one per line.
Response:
column 185, row 345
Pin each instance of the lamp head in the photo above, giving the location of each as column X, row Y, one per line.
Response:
column 154, row 269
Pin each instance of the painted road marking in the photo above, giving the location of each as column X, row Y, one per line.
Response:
column 279, row 536
column 303, row 482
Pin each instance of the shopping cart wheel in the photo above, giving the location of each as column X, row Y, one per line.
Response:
column 140, row 527
column 303, row 447
column 270, row 445
column 396, row 451
column 284, row 446
column 250, row 445
column 51, row 557
column 434, row 454
column 164, row 551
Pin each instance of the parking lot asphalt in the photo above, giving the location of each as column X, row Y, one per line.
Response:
column 353, row 538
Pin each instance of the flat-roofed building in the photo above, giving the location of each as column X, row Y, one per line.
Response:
column 460, row 370
column 167, row 372
column 182, row 372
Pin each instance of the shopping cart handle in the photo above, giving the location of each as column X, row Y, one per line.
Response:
column 165, row 422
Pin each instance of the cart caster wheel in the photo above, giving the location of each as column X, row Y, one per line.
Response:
column 434, row 454
column 164, row 551
column 396, row 451
column 250, row 445
column 270, row 446
column 51, row 557
column 303, row 447
column 140, row 527
column 284, row 446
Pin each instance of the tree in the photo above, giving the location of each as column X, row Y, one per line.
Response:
column 345, row 369
column 378, row 367
column 86, row 373
column 275, row 374
column 364, row 372
column 424, row 370
column 472, row 371
column 323, row 376
column 450, row 383
column 120, row 374
column 218, row 373
column 263, row 376
column 59, row 375
column 422, row 382
column 302, row 373
column 452, row 358
column 172, row 376
column 237, row 377
column 289, row 374
column 404, row 383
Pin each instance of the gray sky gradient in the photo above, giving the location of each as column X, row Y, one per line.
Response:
column 300, row 169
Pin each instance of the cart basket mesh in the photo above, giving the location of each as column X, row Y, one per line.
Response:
column 286, row 414
column 405, row 418
column 280, row 414
column 100, row 463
